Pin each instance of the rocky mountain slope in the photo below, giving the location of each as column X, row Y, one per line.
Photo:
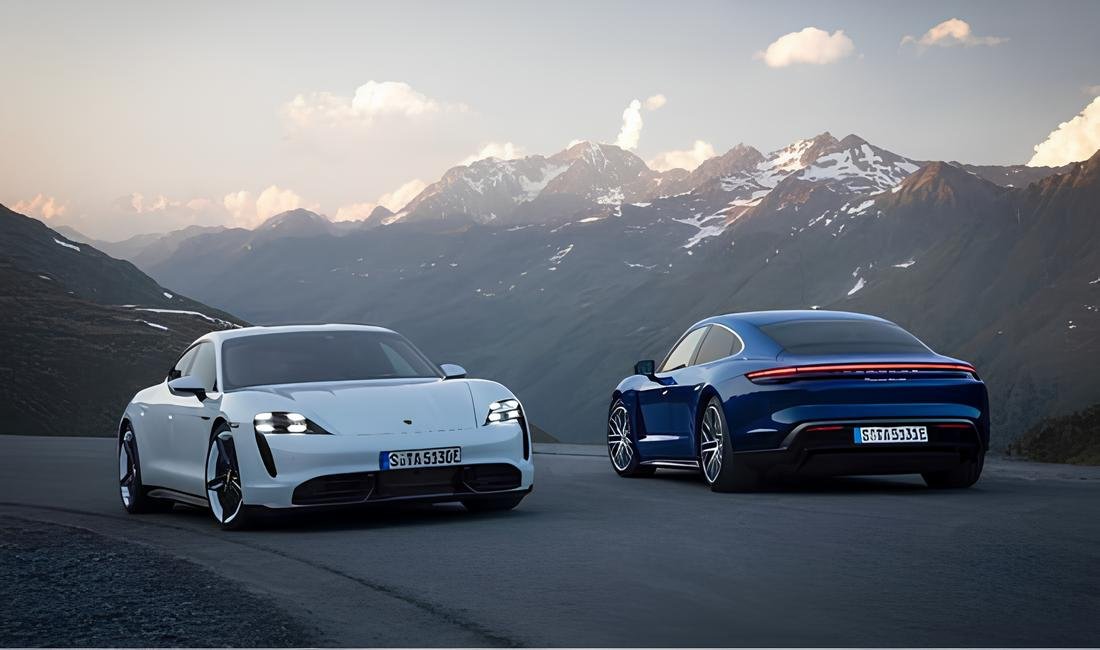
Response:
column 82, row 331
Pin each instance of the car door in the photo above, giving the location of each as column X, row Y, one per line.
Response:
column 667, row 401
column 154, row 430
column 192, row 417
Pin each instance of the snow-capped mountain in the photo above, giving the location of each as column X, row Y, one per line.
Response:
column 585, row 178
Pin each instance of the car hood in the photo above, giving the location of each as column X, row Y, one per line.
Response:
column 377, row 406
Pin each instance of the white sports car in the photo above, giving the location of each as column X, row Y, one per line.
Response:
column 319, row 415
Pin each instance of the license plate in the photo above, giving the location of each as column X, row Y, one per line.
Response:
column 886, row 435
column 420, row 458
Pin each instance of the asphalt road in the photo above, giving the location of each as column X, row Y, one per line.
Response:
column 590, row 559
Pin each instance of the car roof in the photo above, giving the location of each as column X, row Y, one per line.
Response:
column 758, row 318
column 257, row 330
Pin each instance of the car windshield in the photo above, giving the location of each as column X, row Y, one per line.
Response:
column 842, row 337
column 301, row 357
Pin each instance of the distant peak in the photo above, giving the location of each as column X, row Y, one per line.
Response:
column 852, row 140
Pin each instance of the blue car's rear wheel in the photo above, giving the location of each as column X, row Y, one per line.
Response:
column 721, row 469
column 620, row 444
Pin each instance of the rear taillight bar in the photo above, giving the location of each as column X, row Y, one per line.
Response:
column 794, row 371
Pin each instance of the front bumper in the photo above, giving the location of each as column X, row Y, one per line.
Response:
column 827, row 448
column 311, row 470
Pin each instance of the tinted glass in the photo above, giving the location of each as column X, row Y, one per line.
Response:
column 718, row 344
column 300, row 357
column 183, row 365
column 203, row 366
column 684, row 350
column 842, row 337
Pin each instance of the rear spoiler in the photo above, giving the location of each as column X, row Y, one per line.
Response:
column 847, row 369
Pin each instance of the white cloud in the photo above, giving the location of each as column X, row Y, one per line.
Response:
column 949, row 33
column 41, row 207
column 631, row 130
column 247, row 212
column 372, row 100
column 653, row 102
column 1077, row 139
column 685, row 158
column 500, row 150
column 811, row 45
column 392, row 201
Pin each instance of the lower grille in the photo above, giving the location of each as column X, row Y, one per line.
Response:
column 335, row 488
column 407, row 483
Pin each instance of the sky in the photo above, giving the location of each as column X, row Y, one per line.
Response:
column 121, row 118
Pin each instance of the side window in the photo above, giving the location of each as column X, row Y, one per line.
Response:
column 203, row 367
column 183, row 365
column 683, row 352
column 719, row 343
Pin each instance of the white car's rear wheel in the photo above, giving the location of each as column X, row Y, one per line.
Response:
column 223, row 481
column 130, row 488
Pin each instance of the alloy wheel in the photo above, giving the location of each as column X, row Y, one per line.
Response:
column 223, row 480
column 710, row 444
column 618, row 438
column 127, row 469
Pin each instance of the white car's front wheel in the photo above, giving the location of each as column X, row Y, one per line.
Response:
column 223, row 481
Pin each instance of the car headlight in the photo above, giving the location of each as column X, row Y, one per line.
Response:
column 504, row 411
column 282, row 422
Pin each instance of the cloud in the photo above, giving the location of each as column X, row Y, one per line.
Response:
column 41, row 207
column 372, row 100
column 1091, row 91
column 392, row 201
column 811, row 45
column 653, row 102
column 1077, row 139
column 247, row 212
column 685, row 158
column 500, row 150
column 631, row 130
column 949, row 33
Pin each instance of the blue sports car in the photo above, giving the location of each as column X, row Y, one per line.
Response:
column 743, row 397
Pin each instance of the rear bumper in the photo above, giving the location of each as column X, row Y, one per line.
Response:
column 292, row 471
column 827, row 448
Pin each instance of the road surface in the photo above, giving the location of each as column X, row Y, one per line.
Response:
column 590, row 559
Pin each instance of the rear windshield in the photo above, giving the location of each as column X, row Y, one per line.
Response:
column 842, row 337
column 299, row 357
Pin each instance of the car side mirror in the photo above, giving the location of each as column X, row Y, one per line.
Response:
column 188, row 384
column 452, row 371
column 647, row 368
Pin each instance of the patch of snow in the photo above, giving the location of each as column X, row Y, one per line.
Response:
column 614, row 196
column 641, row 205
column 1096, row 281
column 560, row 255
column 184, row 312
column 590, row 219
column 159, row 327
column 859, row 285
column 862, row 207
column 46, row 277
column 905, row 265
column 66, row 244
column 168, row 295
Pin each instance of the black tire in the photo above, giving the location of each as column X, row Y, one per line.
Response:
column 729, row 474
column 621, row 450
column 132, row 492
column 230, row 515
column 494, row 503
column 963, row 476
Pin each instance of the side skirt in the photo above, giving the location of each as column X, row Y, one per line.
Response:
column 180, row 497
column 671, row 464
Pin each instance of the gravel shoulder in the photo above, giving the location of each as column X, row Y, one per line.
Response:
column 66, row 587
